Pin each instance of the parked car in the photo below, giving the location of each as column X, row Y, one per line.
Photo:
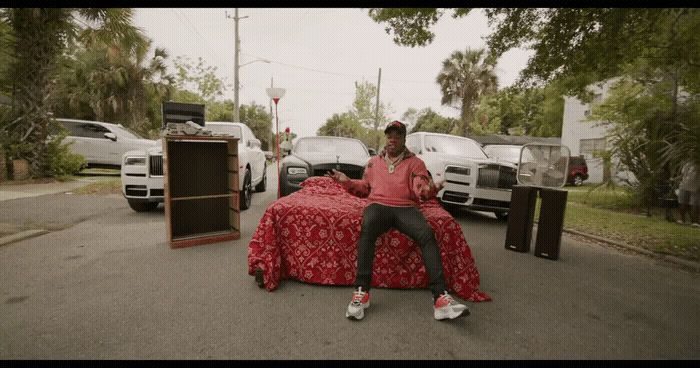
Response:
column 472, row 179
column 503, row 152
column 578, row 170
column 102, row 144
column 315, row 156
column 142, row 170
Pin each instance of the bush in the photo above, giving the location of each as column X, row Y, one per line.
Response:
column 62, row 162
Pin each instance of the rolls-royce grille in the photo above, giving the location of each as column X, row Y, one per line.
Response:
column 352, row 171
column 496, row 176
column 156, row 166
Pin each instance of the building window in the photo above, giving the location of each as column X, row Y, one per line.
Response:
column 588, row 146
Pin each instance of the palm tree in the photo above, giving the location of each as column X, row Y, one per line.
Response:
column 464, row 78
column 40, row 39
column 138, row 81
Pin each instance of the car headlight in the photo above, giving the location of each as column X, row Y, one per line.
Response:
column 297, row 171
column 135, row 161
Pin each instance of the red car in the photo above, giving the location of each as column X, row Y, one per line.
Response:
column 578, row 170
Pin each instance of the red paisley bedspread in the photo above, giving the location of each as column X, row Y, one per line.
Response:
column 312, row 234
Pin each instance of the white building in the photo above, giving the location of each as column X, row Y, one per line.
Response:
column 583, row 136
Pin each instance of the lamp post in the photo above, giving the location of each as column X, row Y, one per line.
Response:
column 275, row 94
column 237, row 87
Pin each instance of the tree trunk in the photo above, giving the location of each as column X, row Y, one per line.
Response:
column 39, row 40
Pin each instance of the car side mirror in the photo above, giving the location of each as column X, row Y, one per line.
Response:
column 111, row 136
column 254, row 143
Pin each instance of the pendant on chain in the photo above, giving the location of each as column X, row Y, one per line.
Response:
column 391, row 169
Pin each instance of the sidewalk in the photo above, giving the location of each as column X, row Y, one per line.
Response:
column 15, row 191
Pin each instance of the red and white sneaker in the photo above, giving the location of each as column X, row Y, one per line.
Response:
column 358, row 304
column 447, row 307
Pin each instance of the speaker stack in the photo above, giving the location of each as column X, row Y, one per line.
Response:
column 550, row 224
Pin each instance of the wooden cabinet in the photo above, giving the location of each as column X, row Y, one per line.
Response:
column 201, row 195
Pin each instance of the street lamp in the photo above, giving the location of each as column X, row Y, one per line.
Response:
column 236, row 87
column 275, row 94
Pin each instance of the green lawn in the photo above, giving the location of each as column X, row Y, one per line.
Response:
column 614, row 215
column 107, row 186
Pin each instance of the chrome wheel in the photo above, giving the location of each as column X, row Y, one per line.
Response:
column 247, row 193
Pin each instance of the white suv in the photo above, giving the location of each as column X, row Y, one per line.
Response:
column 472, row 180
column 142, row 170
column 102, row 144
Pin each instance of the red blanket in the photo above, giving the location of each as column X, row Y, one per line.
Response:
column 312, row 234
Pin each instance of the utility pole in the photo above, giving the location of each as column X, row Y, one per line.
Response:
column 376, row 107
column 236, row 66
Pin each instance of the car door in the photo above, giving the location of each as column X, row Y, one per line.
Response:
column 101, row 148
column 76, row 139
column 256, row 156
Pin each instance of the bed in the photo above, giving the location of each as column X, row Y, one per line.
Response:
column 311, row 236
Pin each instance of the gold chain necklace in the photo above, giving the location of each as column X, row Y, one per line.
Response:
column 392, row 165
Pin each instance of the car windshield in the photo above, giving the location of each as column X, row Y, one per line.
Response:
column 331, row 145
column 125, row 132
column 508, row 153
column 453, row 145
column 231, row 129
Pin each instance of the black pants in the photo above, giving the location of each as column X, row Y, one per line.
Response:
column 378, row 219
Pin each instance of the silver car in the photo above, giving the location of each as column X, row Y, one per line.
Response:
column 102, row 144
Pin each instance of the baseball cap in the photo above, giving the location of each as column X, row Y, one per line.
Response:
column 397, row 125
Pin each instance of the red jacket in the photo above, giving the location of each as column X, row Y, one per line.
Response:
column 399, row 189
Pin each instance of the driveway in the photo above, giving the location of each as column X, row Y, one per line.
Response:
column 107, row 286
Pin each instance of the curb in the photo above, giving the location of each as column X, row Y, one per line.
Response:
column 21, row 236
column 673, row 259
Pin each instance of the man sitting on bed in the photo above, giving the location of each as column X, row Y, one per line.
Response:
column 394, row 182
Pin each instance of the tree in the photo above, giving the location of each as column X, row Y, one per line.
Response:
column 584, row 45
column 40, row 36
column 364, row 110
column 465, row 77
column 199, row 77
column 258, row 120
column 409, row 117
column 107, row 84
column 637, row 116
column 430, row 121
column 488, row 116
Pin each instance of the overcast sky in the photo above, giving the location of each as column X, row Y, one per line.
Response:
column 318, row 54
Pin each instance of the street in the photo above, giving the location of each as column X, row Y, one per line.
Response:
column 104, row 284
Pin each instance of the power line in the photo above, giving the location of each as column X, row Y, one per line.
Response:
column 184, row 19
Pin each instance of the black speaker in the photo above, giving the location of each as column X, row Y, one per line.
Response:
column 551, row 223
column 520, row 218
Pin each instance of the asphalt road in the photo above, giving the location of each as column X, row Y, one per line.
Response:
column 104, row 284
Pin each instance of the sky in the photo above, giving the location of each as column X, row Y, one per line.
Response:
column 317, row 55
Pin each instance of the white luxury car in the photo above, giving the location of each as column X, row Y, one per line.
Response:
column 472, row 180
column 142, row 170
column 102, row 144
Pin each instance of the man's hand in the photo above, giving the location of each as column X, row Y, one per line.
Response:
column 439, row 186
column 338, row 176
column 431, row 189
